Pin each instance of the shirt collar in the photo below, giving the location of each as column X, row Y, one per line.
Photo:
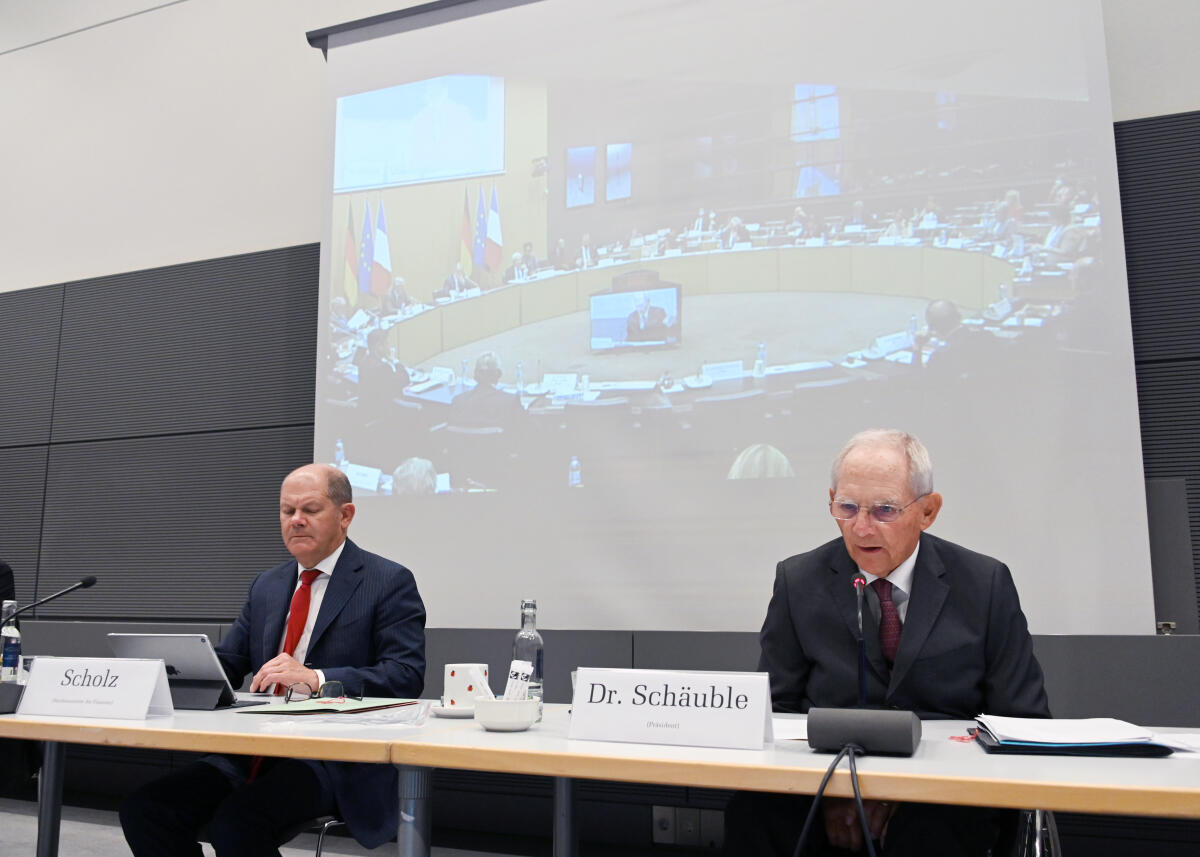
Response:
column 328, row 564
column 901, row 578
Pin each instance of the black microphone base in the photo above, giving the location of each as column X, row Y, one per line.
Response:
column 877, row 731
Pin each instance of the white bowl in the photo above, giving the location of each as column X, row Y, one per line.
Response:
column 505, row 715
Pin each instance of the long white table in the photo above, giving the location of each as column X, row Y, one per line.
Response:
column 942, row 770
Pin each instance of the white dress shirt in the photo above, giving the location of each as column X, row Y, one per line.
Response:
column 316, row 596
column 901, row 580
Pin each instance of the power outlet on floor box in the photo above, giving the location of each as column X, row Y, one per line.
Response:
column 678, row 825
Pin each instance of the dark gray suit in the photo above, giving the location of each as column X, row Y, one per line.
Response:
column 965, row 648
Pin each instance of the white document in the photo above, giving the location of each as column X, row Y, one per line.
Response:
column 121, row 688
column 1091, row 730
column 790, row 728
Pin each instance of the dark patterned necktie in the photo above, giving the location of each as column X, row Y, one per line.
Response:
column 889, row 620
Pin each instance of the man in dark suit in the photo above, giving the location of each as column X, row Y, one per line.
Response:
column 335, row 613
column 945, row 638
column 647, row 323
column 485, row 404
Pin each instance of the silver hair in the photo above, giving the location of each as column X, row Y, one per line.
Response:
column 414, row 476
column 920, row 465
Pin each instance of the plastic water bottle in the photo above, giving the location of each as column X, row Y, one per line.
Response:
column 339, row 453
column 760, row 362
column 528, row 647
column 462, row 375
column 913, row 327
column 520, row 377
column 12, row 644
column 575, row 473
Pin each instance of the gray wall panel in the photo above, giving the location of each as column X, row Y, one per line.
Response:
column 565, row 650
column 64, row 639
column 1171, row 554
column 22, row 474
column 712, row 650
column 174, row 527
column 29, row 323
column 220, row 344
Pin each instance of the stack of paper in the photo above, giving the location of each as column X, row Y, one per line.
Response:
column 1095, row 736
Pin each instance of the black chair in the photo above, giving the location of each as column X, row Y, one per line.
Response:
column 320, row 826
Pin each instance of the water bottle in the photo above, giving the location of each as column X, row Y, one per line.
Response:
column 12, row 644
column 575, row 473
column 528, row 647
column 520, row 377
column 913, row 327
column 462, row 375
column 339, row 453
column 760, row 362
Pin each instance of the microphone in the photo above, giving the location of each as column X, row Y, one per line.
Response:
column 860, row 583
column 87, row 582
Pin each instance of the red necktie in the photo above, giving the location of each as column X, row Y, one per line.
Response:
column 889, row 620
column 298, row 612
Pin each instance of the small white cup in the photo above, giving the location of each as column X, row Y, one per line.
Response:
column 459, row 688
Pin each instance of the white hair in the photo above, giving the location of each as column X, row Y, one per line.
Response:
column 920, row 465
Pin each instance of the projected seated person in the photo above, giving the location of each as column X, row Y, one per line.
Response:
column 516, row 272
column 414, row 476
column 396, row 299
column 456, row 283
column 733, row 233
column 339, row 319
column 647, row 323
column 560, row 256
column 334, row 613
column 586, row 257
column 486, row 404
column 529, row 258
column 945, row 638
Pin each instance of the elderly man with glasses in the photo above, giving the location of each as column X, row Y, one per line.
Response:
column 945, row 638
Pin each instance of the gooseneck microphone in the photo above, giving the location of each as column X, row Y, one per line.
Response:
column 90, row 580
column 860, row 583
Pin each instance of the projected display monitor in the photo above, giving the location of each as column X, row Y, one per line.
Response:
column 900, row 225
column 646, row 319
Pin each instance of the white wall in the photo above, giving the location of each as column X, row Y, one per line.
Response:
column 139, row 134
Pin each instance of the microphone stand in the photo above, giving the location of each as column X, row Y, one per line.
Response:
column 860, row 583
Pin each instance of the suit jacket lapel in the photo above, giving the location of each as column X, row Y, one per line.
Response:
column 342, row 583
column 929, row 590
column 841, row 584
column 278, row 600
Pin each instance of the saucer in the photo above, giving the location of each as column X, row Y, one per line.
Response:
column 445, row 711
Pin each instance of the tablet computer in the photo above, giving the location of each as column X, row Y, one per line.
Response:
column 194, row 672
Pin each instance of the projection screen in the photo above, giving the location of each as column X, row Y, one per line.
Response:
column 606, row 286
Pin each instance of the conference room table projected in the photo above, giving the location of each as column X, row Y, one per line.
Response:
column 945, row 768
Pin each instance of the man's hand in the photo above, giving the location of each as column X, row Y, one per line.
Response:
column 842, row 827
column 285, row 671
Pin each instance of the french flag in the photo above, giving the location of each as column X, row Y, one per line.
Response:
column 493, row 252
column 381, row 267
column 480, row 231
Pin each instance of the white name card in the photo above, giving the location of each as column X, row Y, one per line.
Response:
column 694, row 709
column 120, row 688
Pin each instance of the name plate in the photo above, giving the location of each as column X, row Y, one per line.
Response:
column 694, row 709
column 120, row 688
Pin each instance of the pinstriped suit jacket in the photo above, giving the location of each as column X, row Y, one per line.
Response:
column 369, row 635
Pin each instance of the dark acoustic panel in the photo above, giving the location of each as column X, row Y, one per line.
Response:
column 1171, row 554
column 22, row 476
column 221, row 344
column 1158, row 165
column 728, row 651
column 173, row 527
column 65, row 639
column 29, row 323
column 1169, row 406
column 1143, row 679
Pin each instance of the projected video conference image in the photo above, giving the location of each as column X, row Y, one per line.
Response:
column 549, row 279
